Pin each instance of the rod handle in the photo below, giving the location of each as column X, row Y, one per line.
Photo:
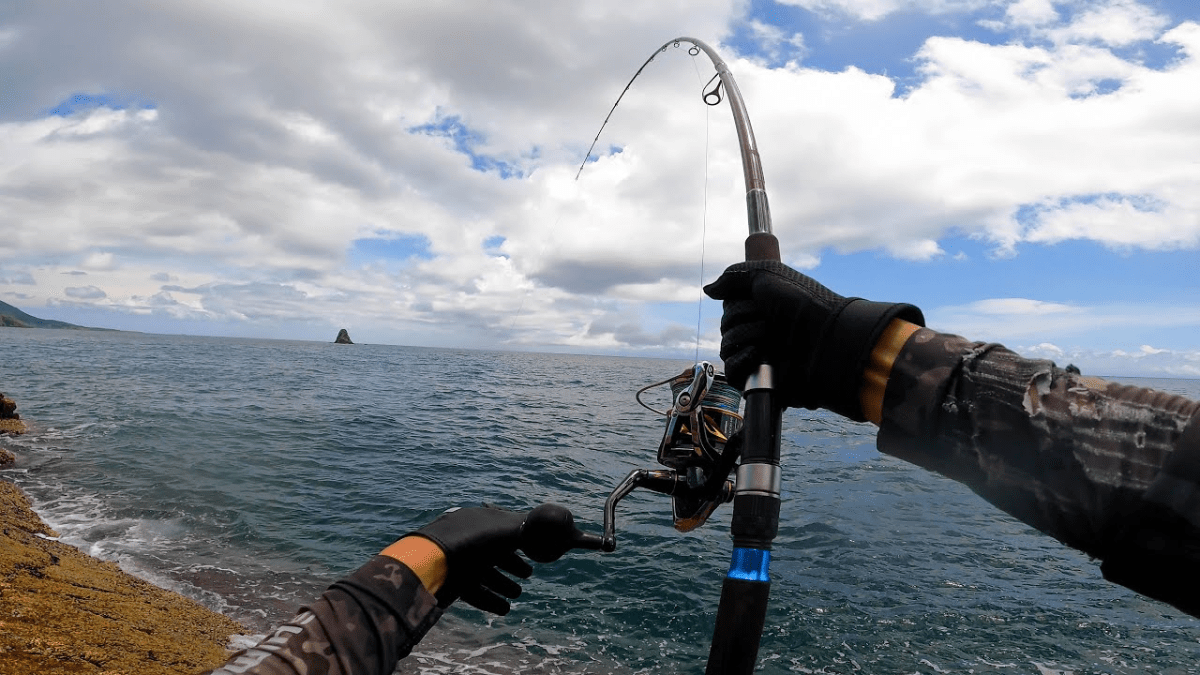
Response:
column 740, row 619
column 762, row 246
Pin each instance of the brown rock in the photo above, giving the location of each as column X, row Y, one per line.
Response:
column 62, row 611
column 10, row 421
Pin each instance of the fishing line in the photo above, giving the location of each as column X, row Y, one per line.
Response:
column 704, row 212
column 712, row 95
column 721, row 395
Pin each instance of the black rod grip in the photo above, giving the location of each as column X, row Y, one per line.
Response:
column 761, row 427
column 740, row 619
column 755, row 522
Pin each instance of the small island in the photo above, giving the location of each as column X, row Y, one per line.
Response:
column 343, row 338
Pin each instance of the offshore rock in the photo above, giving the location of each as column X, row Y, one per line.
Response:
column 343, row 338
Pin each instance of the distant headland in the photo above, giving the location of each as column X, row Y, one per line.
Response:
column 12, row 317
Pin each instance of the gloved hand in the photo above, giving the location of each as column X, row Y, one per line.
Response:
column 818, row 341
column 479, row 542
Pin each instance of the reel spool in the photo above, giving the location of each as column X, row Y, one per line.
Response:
column 698, row 448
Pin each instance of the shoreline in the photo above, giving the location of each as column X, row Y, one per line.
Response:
column 63, row 611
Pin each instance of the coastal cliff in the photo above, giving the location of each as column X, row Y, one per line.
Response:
column 11, row 317
column 62, row 611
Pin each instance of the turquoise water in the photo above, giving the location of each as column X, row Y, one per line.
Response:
column 249, row 474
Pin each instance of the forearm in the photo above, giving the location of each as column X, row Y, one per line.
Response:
column 364, row 623
column 879, row 367
column 423, row 557
column 1079, row 458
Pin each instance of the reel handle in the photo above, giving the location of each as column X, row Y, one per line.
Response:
column 549, row 531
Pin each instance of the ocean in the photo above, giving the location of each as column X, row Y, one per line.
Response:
column 249, row 474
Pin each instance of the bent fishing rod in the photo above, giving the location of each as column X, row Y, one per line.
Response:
column 701, row 446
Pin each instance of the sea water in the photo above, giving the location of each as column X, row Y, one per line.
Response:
column 249, row 474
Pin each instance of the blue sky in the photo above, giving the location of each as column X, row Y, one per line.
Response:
column 1027, row 171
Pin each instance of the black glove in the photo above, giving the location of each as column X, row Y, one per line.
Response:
column 818, row 341
column 481, row 541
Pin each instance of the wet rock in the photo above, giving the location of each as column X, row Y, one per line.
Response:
column 343, row 338
column 65, row 612
column 10, row 420
column 8, row 409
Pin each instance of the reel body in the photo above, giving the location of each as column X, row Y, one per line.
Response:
column 699, row 450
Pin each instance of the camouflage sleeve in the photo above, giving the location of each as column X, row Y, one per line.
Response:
column 1108, row 469
column 362, row 624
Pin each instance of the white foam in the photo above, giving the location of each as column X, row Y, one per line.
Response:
column 1044, row 669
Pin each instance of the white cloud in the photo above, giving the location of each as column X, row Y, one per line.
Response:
column 1119, row 221
column 84, row 292
column 1021, row 306
column 1018, row 320
column 98, row 261
column 873, row 10
column 8, row 36
column 1146, row 361
column 1116, row 22
column 773, row 41
column 279, row 134
column 1031, row 13
column 1044, row 350
column 1075, row 131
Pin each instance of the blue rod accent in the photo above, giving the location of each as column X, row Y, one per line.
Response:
column 750, row 564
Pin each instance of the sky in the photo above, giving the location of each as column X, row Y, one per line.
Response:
column 1025, row 171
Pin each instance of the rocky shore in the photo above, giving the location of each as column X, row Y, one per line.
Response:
column 62, row 611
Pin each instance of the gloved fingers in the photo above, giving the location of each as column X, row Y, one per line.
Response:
column 494, row 581
column 743, row 350
column 746, row 336
column 735, row 282
column 515, row 565
column 483, row 599
column 739, row 311
column 465, row 535
column 446, row 596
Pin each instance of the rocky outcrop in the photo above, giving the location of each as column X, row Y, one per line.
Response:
column 343, row 338
column 65, row 612
column 10, row 419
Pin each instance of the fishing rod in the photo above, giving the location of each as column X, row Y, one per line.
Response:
column 700, row 446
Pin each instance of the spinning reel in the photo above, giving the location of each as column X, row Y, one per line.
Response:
column 699, row 448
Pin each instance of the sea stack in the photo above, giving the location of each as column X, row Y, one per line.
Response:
column 343, row 338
